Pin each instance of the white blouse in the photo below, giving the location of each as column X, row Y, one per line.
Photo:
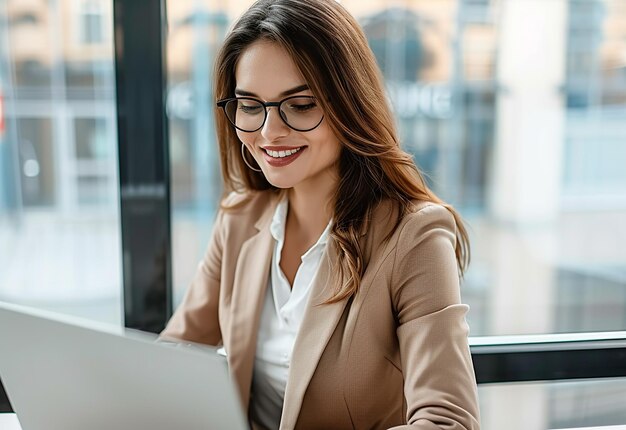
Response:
column 281, row 316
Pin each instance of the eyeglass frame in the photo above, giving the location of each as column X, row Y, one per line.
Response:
column 222, row 104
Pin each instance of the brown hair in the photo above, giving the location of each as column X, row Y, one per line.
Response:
column 331, row 51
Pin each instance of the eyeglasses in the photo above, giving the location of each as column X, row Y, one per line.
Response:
column 301, row 113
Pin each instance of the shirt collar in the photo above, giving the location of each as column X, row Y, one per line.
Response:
column 277, row 227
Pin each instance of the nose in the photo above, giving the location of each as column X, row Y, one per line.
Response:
column 274, row 126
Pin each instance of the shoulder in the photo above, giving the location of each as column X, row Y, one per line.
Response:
column 247, row 204
column 419, row 217
column 240, row 215
column 245, row 200
column 426, row 226
column 424, row 215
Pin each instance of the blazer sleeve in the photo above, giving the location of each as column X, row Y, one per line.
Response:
column 439, row 382
column 196, row 318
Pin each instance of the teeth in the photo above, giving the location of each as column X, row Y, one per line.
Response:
column 282, row 154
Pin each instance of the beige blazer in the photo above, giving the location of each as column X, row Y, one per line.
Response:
column 395, row 355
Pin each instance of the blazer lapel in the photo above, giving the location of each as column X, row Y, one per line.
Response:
column 316, row 329
column 250, row 285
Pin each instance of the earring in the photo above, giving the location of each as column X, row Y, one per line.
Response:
column 243, row 155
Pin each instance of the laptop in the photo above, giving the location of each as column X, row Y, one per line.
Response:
column 64, row 373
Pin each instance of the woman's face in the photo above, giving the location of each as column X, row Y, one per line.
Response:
column 265, row 71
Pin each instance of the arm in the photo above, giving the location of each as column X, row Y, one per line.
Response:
column 196, row 319
column 439, row 381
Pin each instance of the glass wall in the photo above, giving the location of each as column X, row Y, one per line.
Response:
column 195, row 31
column 582, row 405
column 59, row 211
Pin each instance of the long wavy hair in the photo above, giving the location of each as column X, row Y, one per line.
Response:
column 331, row 51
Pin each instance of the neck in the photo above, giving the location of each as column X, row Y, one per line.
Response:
column 311, row 207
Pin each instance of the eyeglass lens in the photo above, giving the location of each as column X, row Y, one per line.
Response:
column 300, row 113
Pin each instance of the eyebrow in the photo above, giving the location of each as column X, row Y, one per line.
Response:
column 289, row 92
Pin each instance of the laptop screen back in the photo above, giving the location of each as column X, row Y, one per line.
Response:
column 61, row 373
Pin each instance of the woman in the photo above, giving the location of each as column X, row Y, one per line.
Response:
column 332, row 276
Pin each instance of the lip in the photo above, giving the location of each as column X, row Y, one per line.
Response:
column 281, row 162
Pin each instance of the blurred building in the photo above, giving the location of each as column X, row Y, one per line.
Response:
column 442, row 63
column 58, row 84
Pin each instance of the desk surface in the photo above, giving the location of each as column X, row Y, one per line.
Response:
column 9, row 422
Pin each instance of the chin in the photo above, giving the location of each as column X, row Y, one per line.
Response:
column 284, row 185
column 281, row 182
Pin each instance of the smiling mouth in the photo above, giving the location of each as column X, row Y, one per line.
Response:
column 282, row 154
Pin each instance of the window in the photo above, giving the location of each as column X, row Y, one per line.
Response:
column 92, row 30
column 59, row 221
column 517, row 122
